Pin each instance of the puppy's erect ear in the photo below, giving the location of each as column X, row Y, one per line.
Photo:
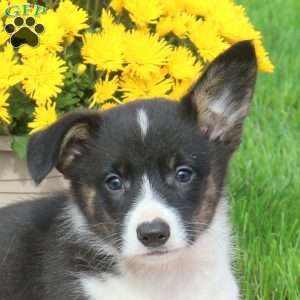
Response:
column 59, row 144
column 222, row 96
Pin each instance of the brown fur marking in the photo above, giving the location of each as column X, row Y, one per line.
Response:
column 67, row 154
column 88, row 195
column 209, row 203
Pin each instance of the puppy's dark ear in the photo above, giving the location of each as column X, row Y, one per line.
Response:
column 61, row 143
column 221, row 98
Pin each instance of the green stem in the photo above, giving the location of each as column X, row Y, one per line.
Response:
column 19, row 88
column 117, row 100
column 88, row 5
column 96, row 11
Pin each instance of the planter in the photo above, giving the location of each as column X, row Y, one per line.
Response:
column 15, row 182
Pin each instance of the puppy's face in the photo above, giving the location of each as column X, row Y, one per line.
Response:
column 148, row 175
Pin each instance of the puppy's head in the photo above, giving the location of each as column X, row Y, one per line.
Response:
column 147, row 176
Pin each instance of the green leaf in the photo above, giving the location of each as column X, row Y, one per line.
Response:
column 80, row 94
column 2, row 130
column 20, row 106
column 66, row 100
column 19, row 146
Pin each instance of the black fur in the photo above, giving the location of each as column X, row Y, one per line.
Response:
column 40, row 256
column 45, row 146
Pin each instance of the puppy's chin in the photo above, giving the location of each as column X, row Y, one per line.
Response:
column 155, row 257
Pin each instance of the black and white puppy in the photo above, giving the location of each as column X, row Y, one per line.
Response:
column 146, row 216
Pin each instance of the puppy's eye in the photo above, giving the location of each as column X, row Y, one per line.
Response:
column 114, row 182
column 184, row 174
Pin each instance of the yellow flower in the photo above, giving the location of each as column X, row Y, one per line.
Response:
column 180, row 88
column 43, row 78
column 52, row 37
column 4, row 4
column 3, row 7
column 44, row 115
column 263, row 60
column 145, row 54
column 106, row 19
column 3, row 35
column 104, row 90
column 178, row 24
column 164, row 26
column 108, row 105
column 232, row 21
column 117, row 5
column 105, row 50
column 28, row 51
column 14, row 2
column 108, row 23
column 81, row 68
column 9, row 70
column 134, row 87
column 169, row 7
column 69, row 40
column 72, row 18
column 183, row 65
column 4, row 115
column 181, row 23
column 206, row 38
column 144, row 12
column 195, row 7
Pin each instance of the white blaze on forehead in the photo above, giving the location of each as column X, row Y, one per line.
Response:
column 143, row 121
column 149, row 206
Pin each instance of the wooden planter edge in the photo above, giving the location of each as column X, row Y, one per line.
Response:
column 15, row 181
column 5, row 142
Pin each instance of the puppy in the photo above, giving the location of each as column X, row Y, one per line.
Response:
column 146, row 215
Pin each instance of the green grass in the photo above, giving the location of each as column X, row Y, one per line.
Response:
column 265, row 173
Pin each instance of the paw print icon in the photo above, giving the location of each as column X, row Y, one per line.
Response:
column 24, row 31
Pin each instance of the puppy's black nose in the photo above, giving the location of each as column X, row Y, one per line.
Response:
column 153, row 234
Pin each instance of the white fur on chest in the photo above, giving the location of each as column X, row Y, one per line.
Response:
column 202, row 272
column 200, row 287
